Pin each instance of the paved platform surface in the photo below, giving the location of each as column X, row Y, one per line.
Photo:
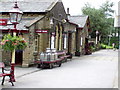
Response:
column 98, row 70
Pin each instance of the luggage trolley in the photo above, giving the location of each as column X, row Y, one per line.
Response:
column 49, row 59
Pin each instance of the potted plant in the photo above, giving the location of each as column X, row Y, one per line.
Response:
column 9, row 43
column 77, row 53
column 70, row 55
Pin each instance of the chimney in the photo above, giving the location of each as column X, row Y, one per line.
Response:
column 68, row 13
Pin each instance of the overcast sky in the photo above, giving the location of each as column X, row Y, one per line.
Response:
column 76, row 5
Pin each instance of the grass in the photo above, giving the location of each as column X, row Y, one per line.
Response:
column 106, row 46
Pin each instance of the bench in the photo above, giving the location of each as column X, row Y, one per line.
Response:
column 64, row 56
column 3, row 74
column 67, row 57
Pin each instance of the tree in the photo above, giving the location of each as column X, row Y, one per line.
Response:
column 107, row 8
column 100, row 19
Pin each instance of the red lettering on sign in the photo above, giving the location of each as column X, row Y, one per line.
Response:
column 3, row 22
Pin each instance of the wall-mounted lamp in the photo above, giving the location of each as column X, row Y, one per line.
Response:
column 64, row 20
column 51, row 21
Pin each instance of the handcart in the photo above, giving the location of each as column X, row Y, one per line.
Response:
column 49, row 64
column 50, row 59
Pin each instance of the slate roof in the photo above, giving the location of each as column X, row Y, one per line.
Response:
column 79, row 20
column 34, row 20
column 20, row 26
column 28, row 5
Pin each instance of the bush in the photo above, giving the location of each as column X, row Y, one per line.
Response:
column 93, row 48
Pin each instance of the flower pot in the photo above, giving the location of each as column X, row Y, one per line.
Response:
column 77, row 53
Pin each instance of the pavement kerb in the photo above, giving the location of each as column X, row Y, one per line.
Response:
column 27, row 73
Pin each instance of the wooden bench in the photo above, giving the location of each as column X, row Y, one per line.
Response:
column 3, row 74
column 67, row 57
column 63, row 55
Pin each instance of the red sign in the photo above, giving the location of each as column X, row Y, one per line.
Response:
column 3, row 22
column 41, row 31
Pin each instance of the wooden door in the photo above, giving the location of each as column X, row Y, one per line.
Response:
column 18, row 57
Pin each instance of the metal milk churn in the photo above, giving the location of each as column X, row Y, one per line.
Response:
column 48, row 50
column 48, row 56
column 52, row 56
column 56, row 56
column 45, row 57
column 42, row 57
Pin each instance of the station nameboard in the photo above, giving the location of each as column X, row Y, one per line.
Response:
column 3, row 22
column 41, row 31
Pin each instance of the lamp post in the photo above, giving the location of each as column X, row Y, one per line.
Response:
column 118, row 35
column 97, row 36
column 109, row 39
column 15, row 17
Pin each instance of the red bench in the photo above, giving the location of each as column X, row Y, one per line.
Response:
column 67, row 56
column 3, row 74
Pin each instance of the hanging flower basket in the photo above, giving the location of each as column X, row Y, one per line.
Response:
column 9, row 43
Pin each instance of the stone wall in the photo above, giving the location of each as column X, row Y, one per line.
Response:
column 73, row 43
column 71, row 28
column 28, row 52
column 84, row 35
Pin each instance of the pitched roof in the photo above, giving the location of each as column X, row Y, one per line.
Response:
column 34, row 20
column 79, row 20
column 28, row 5
column 20, row 26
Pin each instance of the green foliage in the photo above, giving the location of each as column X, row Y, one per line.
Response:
column 106, row 7
column 100, row 19
column 9, row 43
column 103, row 46
column 77, row 50
column 115, row 40
column 93, row 48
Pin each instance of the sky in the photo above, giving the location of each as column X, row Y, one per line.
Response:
column 76, row 5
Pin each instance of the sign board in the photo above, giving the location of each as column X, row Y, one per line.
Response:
column 41, row 31
column 3, row 22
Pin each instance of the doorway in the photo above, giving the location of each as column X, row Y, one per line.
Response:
column 18, row 57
